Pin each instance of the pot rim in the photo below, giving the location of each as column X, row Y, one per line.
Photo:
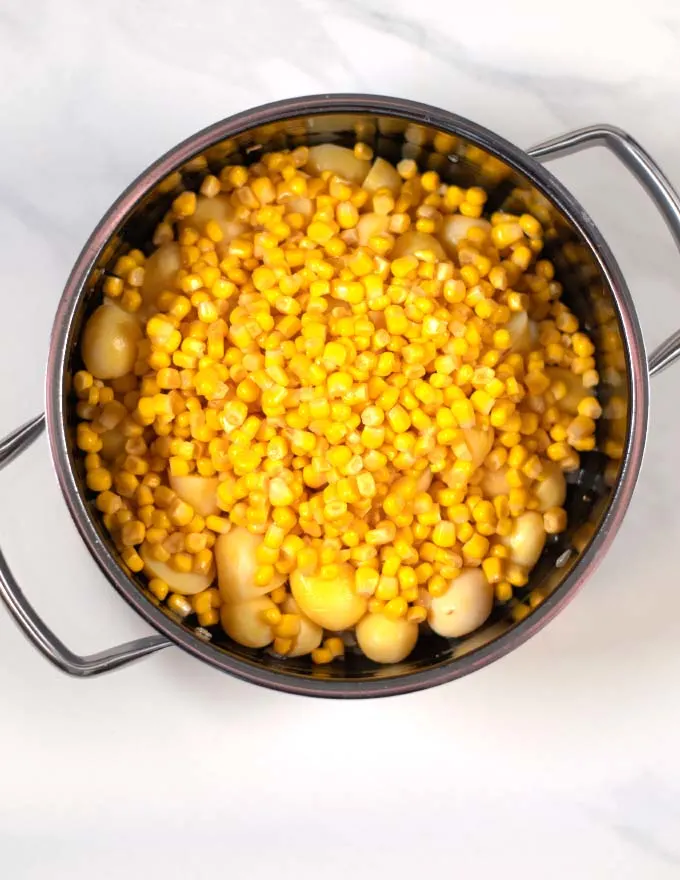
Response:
column 551, row 188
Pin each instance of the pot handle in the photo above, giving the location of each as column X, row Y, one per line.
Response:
column 655, row 183
column 24, row 614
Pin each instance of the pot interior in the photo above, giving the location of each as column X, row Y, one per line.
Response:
column 463, row 155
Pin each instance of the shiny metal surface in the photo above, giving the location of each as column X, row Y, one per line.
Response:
column 16, row 442
column 638, row 161
column 594, row 287
column 33, row 627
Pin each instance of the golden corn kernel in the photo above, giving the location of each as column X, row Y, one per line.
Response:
column 179, row 604
column 132, row 559
column 322, row 655
column 555, row 520
column 396, row 608
column 335, row 645
column 159, row 588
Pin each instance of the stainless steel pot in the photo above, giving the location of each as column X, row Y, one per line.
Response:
column 594, row 287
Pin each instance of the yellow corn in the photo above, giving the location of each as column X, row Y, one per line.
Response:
column 347, row 406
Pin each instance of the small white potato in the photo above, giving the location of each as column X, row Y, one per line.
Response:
column 456, row 227
column 245, row 622
column 464, row 607
column 186, row 584
column 217, row 208
column 236, row 564
column 109, row 342
column 386, row 641
column 495, row 483
column 479, row 442
column 310, row 634
column 330, row 602
column 300, row 205
column 527, row 539
column 408, row 486
column 411, row 241
column 383, row 175
column 576, row 390
column 339, row 160
column 160, row 271
column 222, row 212
column 523, row 333
column 371, row 224
column 113, row 444
column 552, row 490
column 200, row 492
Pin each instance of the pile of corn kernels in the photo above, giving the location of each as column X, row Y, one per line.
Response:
column 334, row 398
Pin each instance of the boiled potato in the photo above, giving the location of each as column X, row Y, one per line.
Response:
column 495, row 483
column 217, row 208
column 552, row 490
column 221, row 211
column 386, row 641
column 479, row 442
column 310, row 634
column 160, row 271
column 576, row 390
column 113, row 444
column 236, row 564
column 186, row 584
column 300, row 205
column 109, row 342
column 200, row 492
column 456, row 227
column 464, row 607
column 245, row 622
column 339, row 160
column 475, row 448
column 330, row 602
column 371, row 224
column 411, row 241
column 383, row 175
column 527, row 539
column 523, row 333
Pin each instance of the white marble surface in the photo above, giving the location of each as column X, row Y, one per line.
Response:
column 559, row 761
